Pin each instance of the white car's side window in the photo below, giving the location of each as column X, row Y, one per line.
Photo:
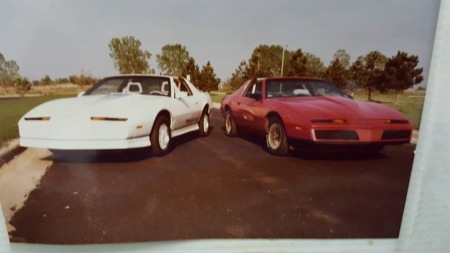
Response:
column 178, row 93
column 183, row 86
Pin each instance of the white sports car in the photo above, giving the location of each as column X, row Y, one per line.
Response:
column 119, row 112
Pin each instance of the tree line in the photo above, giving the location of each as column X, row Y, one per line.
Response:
column 174, row 59
column 10, row 77
column 373, row 71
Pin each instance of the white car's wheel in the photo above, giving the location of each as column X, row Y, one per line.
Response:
column 276, row 138
column 160, row 136
column 230, row 126
column 204, row 124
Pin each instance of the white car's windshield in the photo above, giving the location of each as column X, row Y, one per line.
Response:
column 145, row 85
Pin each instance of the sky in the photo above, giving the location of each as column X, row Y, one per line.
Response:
column 61, row 37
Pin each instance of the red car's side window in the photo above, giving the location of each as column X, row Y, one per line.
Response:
column 253, row 88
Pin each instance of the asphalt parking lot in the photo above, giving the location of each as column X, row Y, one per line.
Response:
column 215, row 187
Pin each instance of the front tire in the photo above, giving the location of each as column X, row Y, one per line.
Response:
column 204, row 124
column 276, row 139
column 230, row 126
column 160, row 136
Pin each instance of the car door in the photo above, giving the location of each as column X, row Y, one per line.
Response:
column 194, row 99
column 250, row 107
column 191, row 109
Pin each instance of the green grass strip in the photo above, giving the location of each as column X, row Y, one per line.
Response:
column 12, row 109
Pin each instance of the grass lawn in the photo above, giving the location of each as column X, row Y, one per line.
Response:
column 12, row 109
column 217, row 97
column 410, row 104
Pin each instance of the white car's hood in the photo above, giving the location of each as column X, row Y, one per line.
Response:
column 114, row 104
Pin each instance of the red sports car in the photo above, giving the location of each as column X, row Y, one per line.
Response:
column 303, row 112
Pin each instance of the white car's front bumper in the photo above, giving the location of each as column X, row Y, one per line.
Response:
column 85, row 144
column 77, row 133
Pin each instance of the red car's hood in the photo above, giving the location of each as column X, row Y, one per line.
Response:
column 340, row 108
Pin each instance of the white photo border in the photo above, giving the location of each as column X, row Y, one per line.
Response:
column 425, row 225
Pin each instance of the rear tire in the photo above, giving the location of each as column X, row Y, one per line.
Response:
column 276, row 139
column 160, row 136
column 204, row 124
column 230, row 126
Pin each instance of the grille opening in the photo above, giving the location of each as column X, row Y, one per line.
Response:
column 395, row 134
column 336, row 135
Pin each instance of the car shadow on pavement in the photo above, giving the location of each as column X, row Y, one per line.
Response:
column 7, row 156
column 99, row 156
column 341, row 155
column 115, row 156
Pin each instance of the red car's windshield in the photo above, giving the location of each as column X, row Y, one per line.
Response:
column 301, row 88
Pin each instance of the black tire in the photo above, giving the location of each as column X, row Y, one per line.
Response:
column 204, row 124
column 276, row 139
column 230, row 126
column 160, row 136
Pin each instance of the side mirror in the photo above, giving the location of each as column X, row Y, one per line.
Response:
column 256, row 96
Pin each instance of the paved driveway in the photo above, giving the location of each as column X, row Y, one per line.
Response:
column 216, row 187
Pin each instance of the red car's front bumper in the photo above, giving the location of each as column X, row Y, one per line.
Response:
column 362, row 132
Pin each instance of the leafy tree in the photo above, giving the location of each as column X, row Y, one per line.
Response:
column 336, row 73
column 173, row 59
column 401, row 72
column 366, row 72
column 343, row 57
column 74, row 79
column 46, row 80
column 3, row 73
column 9, row 71
column 358, row 72
column 297, row 64
column 314, row 66
column 82, row 79
column 192, row 69
column 208, row 79
column 23, row 85
column 128, row 57
column 62, row 80
column 266, row 61
column 374, row 63
column 238, row 77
